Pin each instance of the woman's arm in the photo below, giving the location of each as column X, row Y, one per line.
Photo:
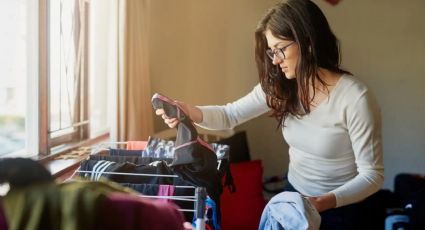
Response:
column 364, row 128
column 226, row 116
column 232, row 114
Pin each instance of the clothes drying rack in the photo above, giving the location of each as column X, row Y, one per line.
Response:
column 199, row 196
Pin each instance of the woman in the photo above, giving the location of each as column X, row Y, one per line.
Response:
column 329, row 119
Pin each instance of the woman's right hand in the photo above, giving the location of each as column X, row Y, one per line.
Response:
column 193, row 112
column 171, row 122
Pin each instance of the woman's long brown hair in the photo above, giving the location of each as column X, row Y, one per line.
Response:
column 303, row 22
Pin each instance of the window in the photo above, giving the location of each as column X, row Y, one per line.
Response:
column 18, row 63
column 67, row 72
column 48, row 99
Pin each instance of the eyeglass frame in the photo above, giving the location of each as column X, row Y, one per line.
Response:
column 272, row 53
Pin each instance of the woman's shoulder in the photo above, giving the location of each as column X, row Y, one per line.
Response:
column 350, row 89
column 351, row 85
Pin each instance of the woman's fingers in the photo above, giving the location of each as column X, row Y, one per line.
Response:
column 159, row 111
column 171, row 122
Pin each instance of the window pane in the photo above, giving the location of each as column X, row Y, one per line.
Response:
column 14, row 69
column 102, row 57
column 64, row 78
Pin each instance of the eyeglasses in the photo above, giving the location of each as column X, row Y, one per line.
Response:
column 279, row 52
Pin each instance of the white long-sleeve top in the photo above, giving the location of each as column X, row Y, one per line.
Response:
column 336, row 148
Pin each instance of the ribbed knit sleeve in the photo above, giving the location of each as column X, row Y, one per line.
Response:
column 364, row 128
column 232, row 114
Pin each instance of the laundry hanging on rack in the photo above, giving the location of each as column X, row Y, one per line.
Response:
column 160, row 149
column 166, row 190
column 127, row 173
column 194, row 172
column 101, row 166
column 136, row 145
column 189, row 148
column 100, row 169
column 130, row 159
column 75, row 205
column 194, row 160
column 187, row 176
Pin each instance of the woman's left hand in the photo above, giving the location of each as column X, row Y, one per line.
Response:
column 323, row 203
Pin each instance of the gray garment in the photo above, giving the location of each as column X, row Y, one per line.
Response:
column 289, row 210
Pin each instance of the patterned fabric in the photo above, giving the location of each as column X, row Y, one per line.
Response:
column 222, row 151
column 159, row 148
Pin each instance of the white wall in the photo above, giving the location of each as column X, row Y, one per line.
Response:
column 203, row 53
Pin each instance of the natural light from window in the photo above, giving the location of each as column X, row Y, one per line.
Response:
column 64, row 80
column 13, row 75
column 49, row 95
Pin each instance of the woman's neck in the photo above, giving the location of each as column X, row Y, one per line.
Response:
column 322, row 89
column 330, row 79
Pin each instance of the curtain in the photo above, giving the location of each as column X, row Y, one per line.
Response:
column 134, row 118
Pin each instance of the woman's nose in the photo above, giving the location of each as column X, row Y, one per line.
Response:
column 276, row 60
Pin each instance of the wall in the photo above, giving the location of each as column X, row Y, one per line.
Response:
column 202, row 52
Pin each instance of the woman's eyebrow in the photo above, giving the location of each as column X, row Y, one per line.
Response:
column 277, row 44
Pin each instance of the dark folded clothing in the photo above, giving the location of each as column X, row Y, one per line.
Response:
column 22, row 172
column 97, row 170
column 125, row 152
column 145, row 189
column 129, row 159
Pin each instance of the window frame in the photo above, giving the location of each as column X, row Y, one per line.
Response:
column 48, row 145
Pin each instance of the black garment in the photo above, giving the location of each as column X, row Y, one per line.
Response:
column 21, row 172
column 158, row 150
column 125, row 152
column 129, row 159
column 145, row 189
column 97, row 167
column 239, row 149
column 194, row 160
column 410, row 189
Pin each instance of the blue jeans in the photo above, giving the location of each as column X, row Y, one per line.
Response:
column 349, row 217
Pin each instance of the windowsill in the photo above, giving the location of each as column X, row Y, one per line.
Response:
column 62, row 164
column 61, row 168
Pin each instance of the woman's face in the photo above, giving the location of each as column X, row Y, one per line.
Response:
column 284, row 53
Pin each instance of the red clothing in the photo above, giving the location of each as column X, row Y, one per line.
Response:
column 3, row 222
column 123, row 211
column 136, row 145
